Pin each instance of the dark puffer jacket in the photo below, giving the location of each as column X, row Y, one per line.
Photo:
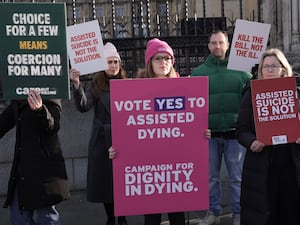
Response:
column 38, row 172
column 254, row 188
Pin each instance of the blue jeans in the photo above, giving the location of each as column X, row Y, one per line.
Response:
column 44, row 216
column 234, row 155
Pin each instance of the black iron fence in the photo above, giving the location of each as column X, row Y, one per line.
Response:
column 188, row 36
column 189, row 51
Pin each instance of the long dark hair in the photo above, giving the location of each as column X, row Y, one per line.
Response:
column 100, row 83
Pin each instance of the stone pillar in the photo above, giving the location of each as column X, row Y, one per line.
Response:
column 280, row 25
column 269, row 17
column 295, row 43
column 286, row 20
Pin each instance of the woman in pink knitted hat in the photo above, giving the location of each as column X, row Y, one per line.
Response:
column 159, row 61
column 99, row 175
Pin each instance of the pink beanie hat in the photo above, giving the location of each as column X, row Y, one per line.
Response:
column 111, row 51
column 155, row 46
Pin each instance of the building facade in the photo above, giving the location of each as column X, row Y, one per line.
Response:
column 284, row 17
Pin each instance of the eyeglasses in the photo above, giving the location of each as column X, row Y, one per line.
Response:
column 159, row 59
column 112, row 62
column 272, row 66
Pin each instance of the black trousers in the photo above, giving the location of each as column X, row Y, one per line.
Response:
column 284, row 193
column 109, row 209
column 176, row 218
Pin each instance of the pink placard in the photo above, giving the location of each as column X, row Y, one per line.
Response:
column 158, row 130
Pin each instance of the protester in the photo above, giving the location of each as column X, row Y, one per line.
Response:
column 225, row 94
column 159, row 61
column 99, row 176
column 38, row 179
column 270, row 192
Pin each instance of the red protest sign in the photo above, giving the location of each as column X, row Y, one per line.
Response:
column 275, row 109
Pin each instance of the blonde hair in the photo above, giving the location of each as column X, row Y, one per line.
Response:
column 287, row 69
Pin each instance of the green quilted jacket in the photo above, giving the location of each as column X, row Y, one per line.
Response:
column 225, row 92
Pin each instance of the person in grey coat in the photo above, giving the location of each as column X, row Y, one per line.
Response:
column 99, row 175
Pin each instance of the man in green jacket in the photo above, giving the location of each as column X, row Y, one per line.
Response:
column 225, row 94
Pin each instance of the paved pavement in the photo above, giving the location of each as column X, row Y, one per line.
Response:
column 77, row 211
